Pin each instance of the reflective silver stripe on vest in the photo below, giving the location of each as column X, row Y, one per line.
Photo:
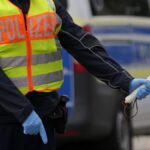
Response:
column 39, row 80
column 36, row 59
column 59, row 20
column 48, row 78
column 59, row 47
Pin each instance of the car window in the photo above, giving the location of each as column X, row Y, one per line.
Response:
column 121, row 7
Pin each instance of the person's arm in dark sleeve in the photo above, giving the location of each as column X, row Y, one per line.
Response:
column 12, row 100
column 89, row 52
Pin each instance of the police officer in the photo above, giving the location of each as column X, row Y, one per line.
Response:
column 31, row 69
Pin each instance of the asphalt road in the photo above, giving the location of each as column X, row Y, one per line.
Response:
column 142, row 143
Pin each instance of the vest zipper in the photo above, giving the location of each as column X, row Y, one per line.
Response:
column 29, row 53
column 29, row 61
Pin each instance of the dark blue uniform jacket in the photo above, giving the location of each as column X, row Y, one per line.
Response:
column 84, row 47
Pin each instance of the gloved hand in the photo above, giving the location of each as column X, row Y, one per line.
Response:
column 33, row 125
column 143, row 91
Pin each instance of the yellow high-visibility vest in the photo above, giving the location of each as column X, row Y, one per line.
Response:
column 30, row 53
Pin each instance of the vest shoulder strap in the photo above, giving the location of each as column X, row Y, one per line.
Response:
column 51, row 4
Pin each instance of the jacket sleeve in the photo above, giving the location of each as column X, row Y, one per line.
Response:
column 12, row 100
column 89, row 52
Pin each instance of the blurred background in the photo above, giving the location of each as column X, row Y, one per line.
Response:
column 96, row 113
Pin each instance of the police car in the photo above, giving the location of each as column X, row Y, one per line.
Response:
column 96, row 112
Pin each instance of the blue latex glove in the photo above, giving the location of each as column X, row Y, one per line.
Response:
column 33, row 125
column 143, row 91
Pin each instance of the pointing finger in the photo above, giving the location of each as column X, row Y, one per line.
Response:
column 43, row 134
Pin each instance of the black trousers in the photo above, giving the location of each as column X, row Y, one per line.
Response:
column 11, row 131
column 12, row 138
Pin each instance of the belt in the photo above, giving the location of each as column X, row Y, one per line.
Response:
column 43, row 103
